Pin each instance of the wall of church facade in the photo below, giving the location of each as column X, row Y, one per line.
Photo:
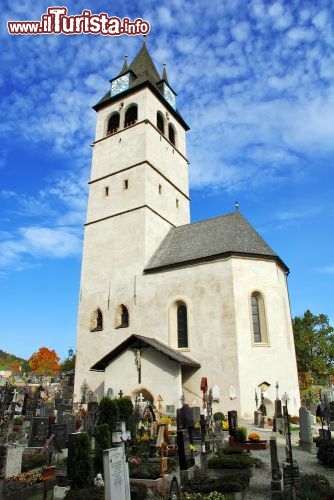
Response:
column 273, row 359
column 217, row 296
column 159, row 376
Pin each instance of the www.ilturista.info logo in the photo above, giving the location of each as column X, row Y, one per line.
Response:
column 57, row 22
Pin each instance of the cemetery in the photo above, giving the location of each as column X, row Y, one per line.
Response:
column 118, row 449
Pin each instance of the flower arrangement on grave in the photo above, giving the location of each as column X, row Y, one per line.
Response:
column 166, row 420
column 254, row 437
column 22, row 480
column 225, row 425
column 134, row 460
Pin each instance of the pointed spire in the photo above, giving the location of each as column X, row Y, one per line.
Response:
column 164, row 73
column 143, row 66
column 125, row 65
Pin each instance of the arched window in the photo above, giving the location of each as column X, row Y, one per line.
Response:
column 160, row 122
column 113, row 123
column 131, row 115
column 260, row 334
column 171, row 133
column 96, row 321
column 122, row 317
column 182, row 325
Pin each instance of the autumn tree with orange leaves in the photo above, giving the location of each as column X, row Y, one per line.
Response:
column 44, row 362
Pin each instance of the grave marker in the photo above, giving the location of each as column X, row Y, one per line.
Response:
column 116, row 474
column 39, row 431
column 13, row 460
column 305, row 425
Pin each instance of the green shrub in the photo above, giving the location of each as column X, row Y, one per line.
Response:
column 203, row 484
column 138, row 491
column 218, row 416
column 223, row 461
column 18, row 420
column 92, row 493
column 241, row 434
column 232, row 450
column 313, row 487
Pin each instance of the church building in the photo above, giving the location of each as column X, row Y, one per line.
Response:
column 170, row 308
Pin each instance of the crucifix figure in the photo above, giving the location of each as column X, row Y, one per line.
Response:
column 138, row 364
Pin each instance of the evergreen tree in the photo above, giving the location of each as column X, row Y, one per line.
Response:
column 82, row 474
column 102, row 442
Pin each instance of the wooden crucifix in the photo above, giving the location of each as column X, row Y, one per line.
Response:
column 138, row 363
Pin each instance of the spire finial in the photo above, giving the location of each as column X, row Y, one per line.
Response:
column 236, row 204
column 164, row 73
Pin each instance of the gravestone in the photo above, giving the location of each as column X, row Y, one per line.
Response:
column 186, row 420
column 68, row 420
column 305, row 426
column 183, row 445
column 197, row 420
column 331, row 415
column 116, row 474
column 219, row 435
column 46, row 409
column 232, row 422
column 39, row 431
column 13, row 460
column 170, row 410
column 58, row 402
column 60, row 433
column 91, row 417
column 276, row 474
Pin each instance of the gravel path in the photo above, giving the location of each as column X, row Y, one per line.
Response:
column 259, row 487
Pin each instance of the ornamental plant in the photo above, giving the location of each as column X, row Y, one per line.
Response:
column 241, row 434
column 254, row 437
column 225, row 425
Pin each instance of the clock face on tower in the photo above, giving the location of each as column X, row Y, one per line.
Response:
column 169, row 96
column 120, row 84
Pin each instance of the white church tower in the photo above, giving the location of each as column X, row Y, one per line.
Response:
column 165, row 304
column 138, row 190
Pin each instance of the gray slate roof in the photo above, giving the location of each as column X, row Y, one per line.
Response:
column 139, row 341
column 210, row 239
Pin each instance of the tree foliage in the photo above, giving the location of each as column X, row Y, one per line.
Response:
column 314, row 343
column 111, row 411
column 68, row 364
column 82, row 473
column 44, row 362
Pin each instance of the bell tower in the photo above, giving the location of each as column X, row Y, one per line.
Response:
column 138, row 190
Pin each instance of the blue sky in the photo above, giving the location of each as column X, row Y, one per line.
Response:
column 254, row 81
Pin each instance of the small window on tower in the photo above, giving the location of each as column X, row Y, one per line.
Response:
column 177, row 203
column 113, row 124
column 122, row 317
column 160, row 122
column 126, row 184
column 96, row 321
column 131, row 116
column 160, row 189
column 171, row 134
column 106, row 191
